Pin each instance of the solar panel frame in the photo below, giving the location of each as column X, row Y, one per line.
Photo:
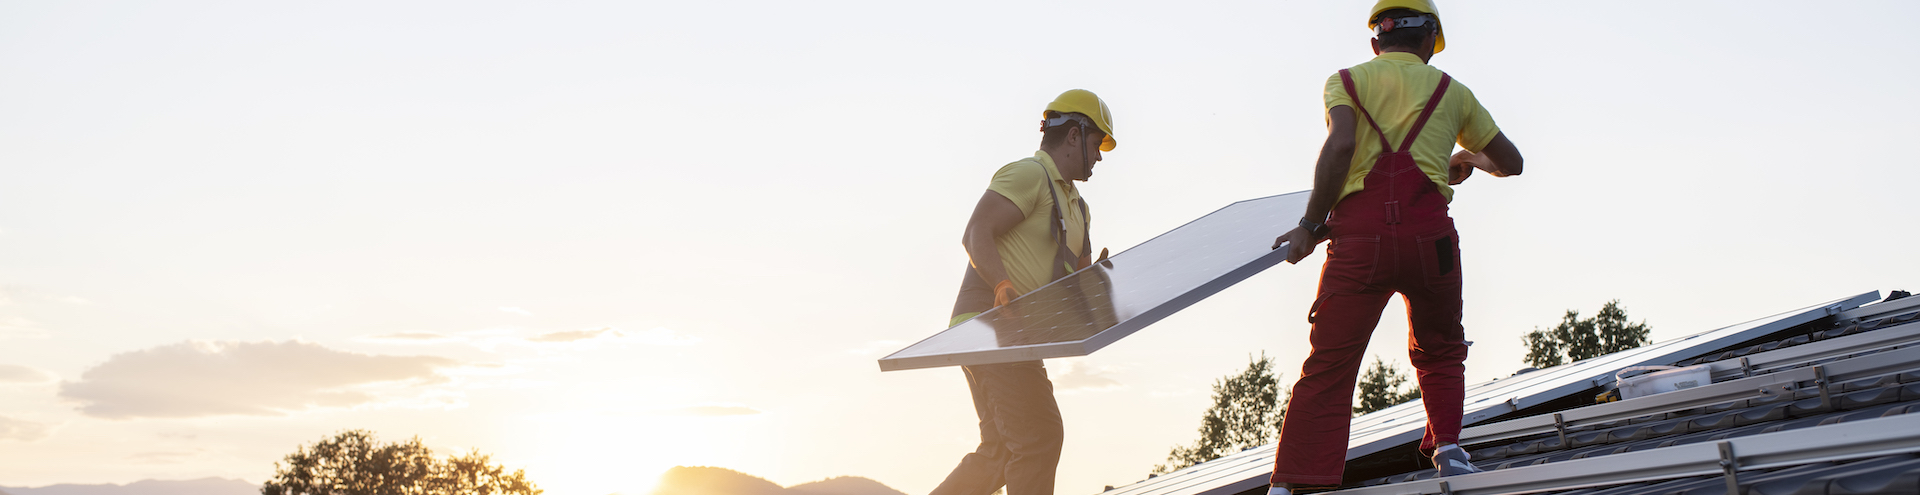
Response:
column 1156, row 261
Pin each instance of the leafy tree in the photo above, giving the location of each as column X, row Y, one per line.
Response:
column 1246, row 412
column 353, row 462
column 476, row 473
column 1575, row 339
column 1381, row 387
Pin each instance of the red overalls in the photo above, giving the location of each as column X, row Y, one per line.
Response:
column 1392, row 236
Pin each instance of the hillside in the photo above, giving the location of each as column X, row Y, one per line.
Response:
column 844, row 485
column 203, row 486
column 683, row 480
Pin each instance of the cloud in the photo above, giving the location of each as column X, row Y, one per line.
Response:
column 409, row 338
column 20, row 328
column 1077, row 376
column 655, row 336
column 193, row 379
column 23, row 430
column 573, row 335
column 710, row 410
column 17, row 374
column 515, row 310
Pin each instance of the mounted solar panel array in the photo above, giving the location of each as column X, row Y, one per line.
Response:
column 1828, row 408
column 1094, row 307
column 1404, row 424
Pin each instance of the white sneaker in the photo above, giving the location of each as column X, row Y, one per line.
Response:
column 1451, row 460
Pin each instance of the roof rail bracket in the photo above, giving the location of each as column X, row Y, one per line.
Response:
column 1820, row 380
column 1730, row 468
column 1445, row 489
column 1560, row 426
column 1746, row 368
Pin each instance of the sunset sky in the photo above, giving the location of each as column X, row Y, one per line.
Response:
column 600, row 239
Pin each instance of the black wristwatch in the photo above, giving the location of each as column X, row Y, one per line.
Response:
column 1316, row 228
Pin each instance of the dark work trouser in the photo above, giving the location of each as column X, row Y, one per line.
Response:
column 1020, row 432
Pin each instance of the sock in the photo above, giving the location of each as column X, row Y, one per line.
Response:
column 1452, row 446
column 1278, row 491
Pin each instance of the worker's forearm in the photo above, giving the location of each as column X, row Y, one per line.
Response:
column 1504, row 155
column 984, row 255
column 1329, row 177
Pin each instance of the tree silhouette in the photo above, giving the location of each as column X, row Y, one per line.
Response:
column 1246, row 412
column 353, row 462
column 1575, row 339
column 1381, row 387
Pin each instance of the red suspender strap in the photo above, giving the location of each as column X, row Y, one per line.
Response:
column 1346, row 79
column 1432, row 103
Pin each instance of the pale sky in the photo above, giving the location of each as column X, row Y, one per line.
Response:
column 599, row 239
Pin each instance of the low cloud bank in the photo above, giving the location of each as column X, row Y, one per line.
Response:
column 13, row 374
column 20, row 429
column 193, row 379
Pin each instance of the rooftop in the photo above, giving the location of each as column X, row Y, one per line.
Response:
column 1807, row 402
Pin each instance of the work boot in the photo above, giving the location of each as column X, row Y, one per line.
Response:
column 1451, row 460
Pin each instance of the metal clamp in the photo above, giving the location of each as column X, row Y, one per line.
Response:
column 1560, row 426
column 1746, row 368
column 1820, row 380
column 1730, row 468
column 1445, row 489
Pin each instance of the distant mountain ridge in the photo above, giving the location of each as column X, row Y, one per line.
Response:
column 202, row 486
column 701, row 480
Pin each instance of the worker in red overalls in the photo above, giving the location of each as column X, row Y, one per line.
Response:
column 1385, row 208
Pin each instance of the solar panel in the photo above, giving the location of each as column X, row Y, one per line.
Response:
column 1089, row 309
column 1405, row 423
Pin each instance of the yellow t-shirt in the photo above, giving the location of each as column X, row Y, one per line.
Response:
column 1395, row 87
column 1028, row 249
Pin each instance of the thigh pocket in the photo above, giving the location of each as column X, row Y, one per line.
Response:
column 1440, row 258
column 1352, row 263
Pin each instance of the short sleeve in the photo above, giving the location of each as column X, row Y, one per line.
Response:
column 1022, row 182
column 1476, row 126
column 1336, row 93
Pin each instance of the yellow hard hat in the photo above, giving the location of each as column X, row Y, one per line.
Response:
column 1421, row 6
column 1084, row 102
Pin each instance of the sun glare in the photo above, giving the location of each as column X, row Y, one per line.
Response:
column 593, row 453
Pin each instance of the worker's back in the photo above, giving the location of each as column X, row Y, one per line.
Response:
column 1394, row 88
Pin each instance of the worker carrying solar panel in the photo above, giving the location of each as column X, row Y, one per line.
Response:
column 1030, row 227
column 1385, row 209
